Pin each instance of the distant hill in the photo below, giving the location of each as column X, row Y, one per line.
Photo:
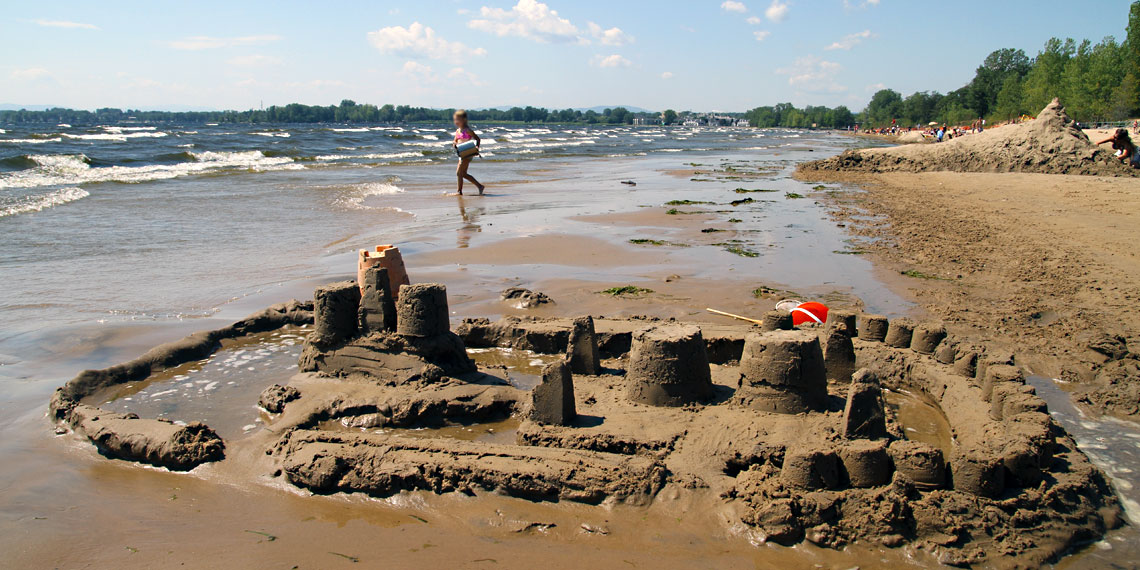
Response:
column 15, row 107
column 598, row 109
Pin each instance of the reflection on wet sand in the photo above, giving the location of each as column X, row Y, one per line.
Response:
column 470, row 227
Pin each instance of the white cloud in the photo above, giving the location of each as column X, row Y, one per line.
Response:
column 610, row 37
column 761, row 35
column 755, row 20
column 419, row 41
column 29, row 74
column 734, row 6
column 416, row 68
column 777, row 11
column 460, row 74
column 614, row 60
column 667, row 75
column 66, row 24
column 195, row 43
column 814, row 75
column 254, row 60
column 876, row 86
column 528, row 19
column 851, row 40
column 848, row 4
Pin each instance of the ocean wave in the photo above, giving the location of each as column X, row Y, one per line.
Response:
column 272, row 134
column 115, row 129
column 438, row 144
column 30, row 141
column 381, row 156
column 354, row 197
column 70, row 169
column 351, row 130
column 113, row 136
column 28, row 204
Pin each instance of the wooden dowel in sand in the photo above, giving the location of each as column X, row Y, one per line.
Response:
column 735, row 316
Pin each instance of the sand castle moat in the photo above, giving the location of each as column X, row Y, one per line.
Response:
column 787, row 428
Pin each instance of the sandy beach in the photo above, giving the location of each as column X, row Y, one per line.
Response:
column 728, row 231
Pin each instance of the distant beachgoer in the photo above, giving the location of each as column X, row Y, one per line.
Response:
column 941, row 133
column 1124, row 147
column 464, row 133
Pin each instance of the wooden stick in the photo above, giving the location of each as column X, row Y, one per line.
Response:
column 754, row 321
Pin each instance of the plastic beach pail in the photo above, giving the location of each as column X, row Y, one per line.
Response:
column 466, row 149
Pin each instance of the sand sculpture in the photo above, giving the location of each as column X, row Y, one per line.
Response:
column 787, row 427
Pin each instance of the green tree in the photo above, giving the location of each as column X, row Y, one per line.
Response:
column 1009, row 100
column 1044, row 80
column 669, row 116
column 885, row 105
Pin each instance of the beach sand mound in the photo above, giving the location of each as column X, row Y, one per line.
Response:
column 911, row 138
column 1049, row 144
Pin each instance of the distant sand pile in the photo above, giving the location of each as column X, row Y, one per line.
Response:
column 911, row 137
column 1049, row 144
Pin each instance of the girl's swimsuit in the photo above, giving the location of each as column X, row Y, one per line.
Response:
column 463, row 134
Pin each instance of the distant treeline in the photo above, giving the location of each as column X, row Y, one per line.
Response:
column 347, row 112
column 1098, row 82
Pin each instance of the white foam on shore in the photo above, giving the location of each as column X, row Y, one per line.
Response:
column 70, row 169
column 29, row 204
column 354, row 197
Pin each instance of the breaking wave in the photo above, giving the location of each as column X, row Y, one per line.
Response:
column 27, row 204
column 71, row 169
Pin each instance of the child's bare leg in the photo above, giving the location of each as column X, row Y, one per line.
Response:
column 475, row 182
column 461, row 173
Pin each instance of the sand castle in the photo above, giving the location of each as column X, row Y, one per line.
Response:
column 788, row 428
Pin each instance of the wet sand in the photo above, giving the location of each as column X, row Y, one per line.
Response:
column 66, row 506
column 1045, row 264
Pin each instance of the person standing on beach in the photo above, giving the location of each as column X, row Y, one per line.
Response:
column 464, row 133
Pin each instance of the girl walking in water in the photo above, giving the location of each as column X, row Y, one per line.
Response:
column 463, row 133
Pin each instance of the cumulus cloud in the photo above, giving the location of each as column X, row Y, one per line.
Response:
column 777, row 11
column 66, row 24
column 462, row 75
column 814, row 75
column 734, row 6
column 851, row 40
column 755, row 20
column 29, row 74
column 416, row 68
column 614, row 60
column 528, row 19
column 254, row 60
column 761, row 35
column 667, row 75
column 419, row 41
column 865, row 3
column 611, row 37
column 196, row 43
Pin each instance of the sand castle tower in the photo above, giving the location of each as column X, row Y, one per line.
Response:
column 783, row 372
column 669, row 366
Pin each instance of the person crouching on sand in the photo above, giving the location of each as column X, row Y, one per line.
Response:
column 464, row 133
column 1124, row 147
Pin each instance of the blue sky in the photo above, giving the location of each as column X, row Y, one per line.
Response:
column 715, row 55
